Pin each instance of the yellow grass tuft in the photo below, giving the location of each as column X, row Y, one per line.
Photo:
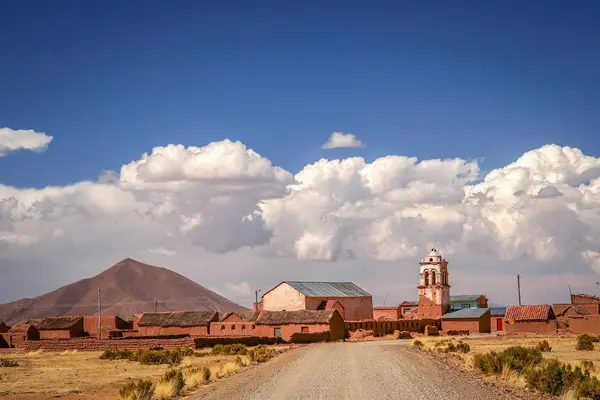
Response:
column 68, row 352
column 509, row 375
column 35, row 353
column 226, row 369
column 165, row 390
column 570, row 395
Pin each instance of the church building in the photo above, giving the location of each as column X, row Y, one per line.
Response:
column 434, row 290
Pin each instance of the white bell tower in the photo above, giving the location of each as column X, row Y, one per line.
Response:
column 434, row 290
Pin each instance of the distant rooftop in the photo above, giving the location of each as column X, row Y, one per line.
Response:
column 465, row 297
column 498, row 310
column 465, row 313
column 328, row 289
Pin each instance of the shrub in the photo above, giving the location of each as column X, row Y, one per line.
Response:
column 6, row 363
column 187, row 351
column 206, row 374
column 306, row 337
column 418, row 344
column 556, row 378
column 246, row 340
column 588, row 365
column 584, row 342
column 260, row 353
column 141, row 389
column 544, row 346
column 229, row 349
column 116, row 355
column 516, row 358
column 239, row 361
column 175, row 377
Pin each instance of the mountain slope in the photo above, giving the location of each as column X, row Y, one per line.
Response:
column 127, row 287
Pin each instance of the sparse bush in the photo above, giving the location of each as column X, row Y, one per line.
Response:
column 260, row 353
column 441, row 343
column 116, row 355
column 584, row 343
column 544, row 346
column 229, row 349
column 516, row 358
column 556, row 378
column 6, row 363
column 202, row 353
column 310, row 337
column 187, row 351
column 418, row 344
column 240, row 361
column 141, row 389
column 206, row 374
column 588, row 365
column 176, row 378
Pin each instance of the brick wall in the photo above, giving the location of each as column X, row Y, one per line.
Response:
column 288, row 330
column 535, row 326
column 589, row 324
column 172, row 330
column 388, row 313
column 93, row 344
column 387, row 327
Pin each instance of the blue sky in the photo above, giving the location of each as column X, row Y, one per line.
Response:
column 110, row 80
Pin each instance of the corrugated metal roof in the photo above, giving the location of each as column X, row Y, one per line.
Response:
column 466, row 313
column 465, row 297
column 498, row 310
column 328, row 289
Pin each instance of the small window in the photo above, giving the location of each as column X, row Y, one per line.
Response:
column 253, row 327
column 431, row 260
column 222, row 327
column 232, row 327
column 243, row 327
column 277, row 332
column 304, row 329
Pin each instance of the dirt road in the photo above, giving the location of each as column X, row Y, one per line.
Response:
column 367, row 370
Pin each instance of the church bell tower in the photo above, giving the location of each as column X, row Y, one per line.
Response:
column 434, row 290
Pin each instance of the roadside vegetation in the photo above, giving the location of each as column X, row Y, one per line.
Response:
column 7, row 362
column 146, row 357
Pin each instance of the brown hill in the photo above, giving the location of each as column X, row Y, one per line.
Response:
column 127, row 287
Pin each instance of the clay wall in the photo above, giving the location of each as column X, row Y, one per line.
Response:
column 386, row 313
column 94, row 344
column 284, row 297
column 172, row 330
column 589, row 324
column 531, row 326
column 232, row 328
column 355, row 308
column 387, row 327
column 429, row 309
column 90, row 325
column 582, row 299
column 494, row 324
column 56, row 334
column 288, row 330
column 481, row 325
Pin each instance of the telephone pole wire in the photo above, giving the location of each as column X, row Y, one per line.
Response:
column 519, row 287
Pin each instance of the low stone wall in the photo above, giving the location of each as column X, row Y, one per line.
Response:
column 93, row 344
column 388, row 327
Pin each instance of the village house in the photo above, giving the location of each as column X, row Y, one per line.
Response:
column 60, row 327
column 109, row 324
column 407, row 308
column 239, row 323
column 175, row 323
column 461, row 301
column 534, row 318
column 20, row 333
column 390, row 313
column 354, row 302
column 284, row 324
column 580, row 324
column 239, row 316
column 497, row 318
column 564, row 312
column 467, row 319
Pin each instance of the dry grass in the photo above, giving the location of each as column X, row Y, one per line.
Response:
column 59, row 374
column 165, row 390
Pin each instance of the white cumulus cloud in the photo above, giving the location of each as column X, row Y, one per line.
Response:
column 21, row 139
column 341, row 139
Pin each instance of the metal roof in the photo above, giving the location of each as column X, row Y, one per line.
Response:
column 328, row 289
column 466, row 313
column 465, row 297
column 497, row 310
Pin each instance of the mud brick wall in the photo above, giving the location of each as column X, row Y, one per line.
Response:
column 388, row 327
column 93, row 344
column 237, row 328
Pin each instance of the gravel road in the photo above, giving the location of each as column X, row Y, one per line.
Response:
column 376, row 370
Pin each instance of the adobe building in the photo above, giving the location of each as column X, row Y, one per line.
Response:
column 580, row 324
column 467, row 319
column 175, row 323
column 586, row 299
column 536, row 318
column 239, row 316
column 407, row 308
column 497, row 318
column 109, row 324
column 60, row 327
column 4, row 328
column 461, row 301
column 356, row 304
column 284, row 324
column 434, row 290
column 19, row 334
column 383, row 313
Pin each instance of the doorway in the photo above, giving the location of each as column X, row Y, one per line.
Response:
column 499, row 324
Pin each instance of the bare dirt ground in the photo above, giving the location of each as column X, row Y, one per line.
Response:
column 381, row 370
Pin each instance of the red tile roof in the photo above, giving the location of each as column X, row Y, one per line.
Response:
column 541, row 312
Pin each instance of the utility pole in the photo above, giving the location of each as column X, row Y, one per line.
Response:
column 155, row 305
column 519, row 287
column 255, row 308
column 385, row 300
column 99, row 315
column 570, row 295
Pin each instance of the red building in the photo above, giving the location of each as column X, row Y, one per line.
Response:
column 383, row 313
column 467, row 319
column 434, row 290
column 175, row 323
column 497, row 318
column 284, row 324
column 536, row 318
column 109, row 324
column 60, row 327
column 19, row 334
